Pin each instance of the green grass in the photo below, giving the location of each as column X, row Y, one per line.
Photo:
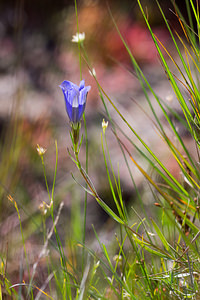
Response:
column 153, row 257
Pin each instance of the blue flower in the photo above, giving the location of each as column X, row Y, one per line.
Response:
column 75, row 99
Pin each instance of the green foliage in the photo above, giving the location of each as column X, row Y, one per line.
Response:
column 152, row 257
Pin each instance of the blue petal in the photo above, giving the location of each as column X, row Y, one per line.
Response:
column 82, row 85
column 75, row 118
column 69, row 110
column 83, row 95
column 68, row 85
column 75, row 115
column 70, row 90
column 75, row 99
column 81, row 111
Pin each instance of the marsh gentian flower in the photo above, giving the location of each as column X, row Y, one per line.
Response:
column 75, row 99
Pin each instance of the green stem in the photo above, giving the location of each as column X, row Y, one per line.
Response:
column 23, row 241
column 86, row 186
column 85, row 202
column 55, row 173
column 45, row 178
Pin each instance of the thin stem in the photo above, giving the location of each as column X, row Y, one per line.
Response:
column 55, row 173
column 86, row 146
column 23, row 241
column 86, row 186
column 45, row 178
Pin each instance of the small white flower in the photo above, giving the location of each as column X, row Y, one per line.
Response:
column 151, row 234
column 170, row 98
column 104, row 125
column 126, row 294
column 42, row 208
column 93, row 72
column 78, row 37
column 97, row 264
column 41, row 151
column 117, row 257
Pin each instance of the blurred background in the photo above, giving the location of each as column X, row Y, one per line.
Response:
column 36, row 55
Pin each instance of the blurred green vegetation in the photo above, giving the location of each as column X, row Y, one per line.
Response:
column 36, row 54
